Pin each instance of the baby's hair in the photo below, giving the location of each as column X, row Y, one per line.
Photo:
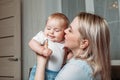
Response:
column 60, row 17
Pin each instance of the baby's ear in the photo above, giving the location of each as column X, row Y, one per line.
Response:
column 84, row 44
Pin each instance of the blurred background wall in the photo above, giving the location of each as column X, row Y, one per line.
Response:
column 35, row 13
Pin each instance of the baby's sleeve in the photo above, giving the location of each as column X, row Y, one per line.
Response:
column 39, row 37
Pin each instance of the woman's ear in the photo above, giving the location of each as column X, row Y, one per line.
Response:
column 84, row 44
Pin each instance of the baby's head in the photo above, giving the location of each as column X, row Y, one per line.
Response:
column 55, row 26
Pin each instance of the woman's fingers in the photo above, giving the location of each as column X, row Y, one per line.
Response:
column 46, row 43
column 47, row 51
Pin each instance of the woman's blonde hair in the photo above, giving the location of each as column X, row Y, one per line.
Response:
column 95, row 29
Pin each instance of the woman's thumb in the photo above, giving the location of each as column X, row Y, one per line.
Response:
column 46, row 43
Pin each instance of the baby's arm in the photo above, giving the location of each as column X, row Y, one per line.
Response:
column 36, row 47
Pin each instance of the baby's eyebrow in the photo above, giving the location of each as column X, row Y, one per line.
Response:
column 57, row 28
column 48, row 27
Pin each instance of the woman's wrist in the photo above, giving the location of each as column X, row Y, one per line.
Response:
column 41, row 60
column 40, row 69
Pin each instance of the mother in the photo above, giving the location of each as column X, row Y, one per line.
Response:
column 88, row 38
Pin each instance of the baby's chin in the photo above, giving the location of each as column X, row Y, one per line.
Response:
column 59, row 41
column 53, row 40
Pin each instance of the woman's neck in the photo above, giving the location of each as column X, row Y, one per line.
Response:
column 77, row 51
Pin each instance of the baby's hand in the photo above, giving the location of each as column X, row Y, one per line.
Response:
column 46, row 51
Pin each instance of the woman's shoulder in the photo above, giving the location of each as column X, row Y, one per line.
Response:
column 75, row 70
column 84, row 67
column 81, row 64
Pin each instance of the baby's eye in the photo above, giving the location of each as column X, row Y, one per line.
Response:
column 57, row 30
column 48, row 28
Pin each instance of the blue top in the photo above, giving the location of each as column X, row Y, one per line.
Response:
column 76, row 69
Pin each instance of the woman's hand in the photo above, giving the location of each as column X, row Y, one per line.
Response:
column 41, row 62
column 45, row 53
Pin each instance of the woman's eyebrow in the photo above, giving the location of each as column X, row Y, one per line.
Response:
column 70, row 27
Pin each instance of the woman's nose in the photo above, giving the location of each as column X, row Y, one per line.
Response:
column 65, row 30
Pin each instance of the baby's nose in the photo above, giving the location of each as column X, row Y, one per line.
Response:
column 51, row 31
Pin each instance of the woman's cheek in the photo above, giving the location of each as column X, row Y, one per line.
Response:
column 67, row 42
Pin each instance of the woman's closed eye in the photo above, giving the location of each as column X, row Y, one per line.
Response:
column 69, row 29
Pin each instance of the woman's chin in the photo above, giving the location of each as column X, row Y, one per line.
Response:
column 66, row 45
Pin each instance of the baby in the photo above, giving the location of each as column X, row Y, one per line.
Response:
column 54, row 34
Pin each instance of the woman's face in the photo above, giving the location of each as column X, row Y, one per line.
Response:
column 72, row 36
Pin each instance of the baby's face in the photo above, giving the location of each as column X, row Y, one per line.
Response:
column 54, row 30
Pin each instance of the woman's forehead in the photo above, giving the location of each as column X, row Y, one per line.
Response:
column 75, row 23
